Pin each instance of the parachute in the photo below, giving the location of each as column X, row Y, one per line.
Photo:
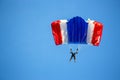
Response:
column 77, row 31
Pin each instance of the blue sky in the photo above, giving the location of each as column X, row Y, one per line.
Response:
column 27, row 49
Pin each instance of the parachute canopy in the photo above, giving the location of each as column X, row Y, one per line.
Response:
column 77, row 31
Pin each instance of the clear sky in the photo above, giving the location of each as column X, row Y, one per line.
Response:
column 27, row 49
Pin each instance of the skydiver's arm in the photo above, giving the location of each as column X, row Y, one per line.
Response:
column 76, row 51
column 71, row 51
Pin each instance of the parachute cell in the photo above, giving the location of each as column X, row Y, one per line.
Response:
column 77, row 30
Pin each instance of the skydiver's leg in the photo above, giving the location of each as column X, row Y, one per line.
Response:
column 74, row 58
column 71, row 58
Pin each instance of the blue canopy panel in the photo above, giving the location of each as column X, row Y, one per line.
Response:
column 77, row 30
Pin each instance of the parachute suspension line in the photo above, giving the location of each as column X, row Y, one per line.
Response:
column 74, row 47
column 70, row 47
column 78, row 46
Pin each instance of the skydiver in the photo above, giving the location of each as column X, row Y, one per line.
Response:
column 73, row 54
